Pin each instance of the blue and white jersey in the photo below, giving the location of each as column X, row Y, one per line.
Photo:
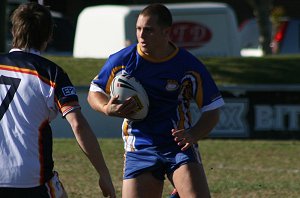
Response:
column 171, row 83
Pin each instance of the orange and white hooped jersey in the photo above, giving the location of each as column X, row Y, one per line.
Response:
column 32, row 92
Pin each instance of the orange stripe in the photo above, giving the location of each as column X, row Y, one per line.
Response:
column 57, row 102
column 68, row 105
column 199, row 92
column 111, row 77
column 181, row 117
column 27, row 71
column 17, row 69
column 125, row 130
column 51, row 189
column 157, row 60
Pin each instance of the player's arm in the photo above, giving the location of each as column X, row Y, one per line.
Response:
column 89, row 145
column 111, row 106
column 205, row 124
column 187, row 137
column 98, row 101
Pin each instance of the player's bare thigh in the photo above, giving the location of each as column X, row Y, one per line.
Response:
column 145, row 186
column 190, row 181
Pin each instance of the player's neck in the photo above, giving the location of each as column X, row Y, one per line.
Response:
column 164, row 51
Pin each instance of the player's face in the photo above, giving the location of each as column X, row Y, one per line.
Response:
column 150, row 35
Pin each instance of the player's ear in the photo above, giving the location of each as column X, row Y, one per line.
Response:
column 167, row 31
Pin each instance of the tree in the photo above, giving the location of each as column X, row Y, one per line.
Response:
column 262, row 12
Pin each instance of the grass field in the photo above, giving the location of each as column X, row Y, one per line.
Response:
column 235, row 168
column 261, row 70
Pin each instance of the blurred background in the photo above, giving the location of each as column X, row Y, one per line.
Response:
column 262, row 94
column 264, row 26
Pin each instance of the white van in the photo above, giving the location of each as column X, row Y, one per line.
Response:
column 205, row 29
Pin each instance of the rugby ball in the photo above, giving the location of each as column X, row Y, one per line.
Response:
column 126, row 86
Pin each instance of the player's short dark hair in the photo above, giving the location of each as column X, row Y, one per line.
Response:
column 161, row 11
column 32, row 26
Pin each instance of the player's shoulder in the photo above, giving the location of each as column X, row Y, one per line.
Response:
column 40, row 64
column 185, row 53
column 188, row 57
column 30, row 59
column 124, row 53
column 46, row 61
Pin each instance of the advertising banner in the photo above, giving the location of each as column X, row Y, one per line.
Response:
column 260, row 111
column 250, row 111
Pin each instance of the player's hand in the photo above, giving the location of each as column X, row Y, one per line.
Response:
column 183, row 137
column 115, row 108
column 107, row 187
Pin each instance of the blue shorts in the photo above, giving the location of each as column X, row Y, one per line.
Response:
column 158, row 160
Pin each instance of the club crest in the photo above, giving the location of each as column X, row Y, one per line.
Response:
column 172, row 85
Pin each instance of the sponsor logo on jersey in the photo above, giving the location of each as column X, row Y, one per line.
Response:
column 172, row 85
column 67, row 91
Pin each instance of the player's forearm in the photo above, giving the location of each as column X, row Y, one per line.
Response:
column 89, row 144
column 87, row 141
column 205, row 125
column 97, row 101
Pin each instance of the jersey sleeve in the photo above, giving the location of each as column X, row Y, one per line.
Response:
column 116, row 64
column 200, row 86
column 102, row 82
column 65, row 93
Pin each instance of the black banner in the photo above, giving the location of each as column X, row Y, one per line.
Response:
column 260, row 111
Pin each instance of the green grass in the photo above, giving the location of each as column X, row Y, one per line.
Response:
column 235, row 168
column 264, row 70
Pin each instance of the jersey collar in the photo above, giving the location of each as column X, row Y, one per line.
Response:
column 156, row 60
column 31, row 50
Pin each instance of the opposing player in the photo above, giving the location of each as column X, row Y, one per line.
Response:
column 33, row 91
column 165, row 142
